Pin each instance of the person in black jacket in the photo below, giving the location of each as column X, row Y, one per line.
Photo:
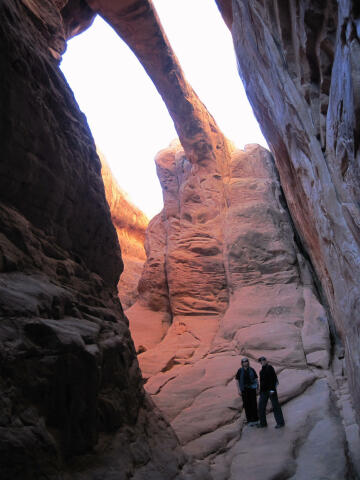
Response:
column 268, row 384
column 247, row 384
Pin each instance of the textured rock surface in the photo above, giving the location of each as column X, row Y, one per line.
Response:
column 299, row 62
column 224, row 275
column 130, row 224
column 269, row 306
column 206, row 168
column 72, row 403
column 207, row 263
column 207, row 150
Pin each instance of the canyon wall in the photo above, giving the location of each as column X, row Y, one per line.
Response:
column 226, row 274
column 130, row 224
column 213, row 288
column 69, row 378
column 299, row 62
column 207, row 304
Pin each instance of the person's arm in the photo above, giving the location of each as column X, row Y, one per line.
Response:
column 273, row 379
column 257, row 384
column 237, row 378
column 238, row 387
column 256, row 379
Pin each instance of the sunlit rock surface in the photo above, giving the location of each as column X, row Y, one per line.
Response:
column 191, row 347
column 299, row 62
column 130, row 224
column 72, row 403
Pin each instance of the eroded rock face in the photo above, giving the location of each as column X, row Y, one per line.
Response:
column 130, row 224
column 207, row 158
column 178, row 335
column 269, row 306
column 224, row 278
column 299, row 63
column 69, row 377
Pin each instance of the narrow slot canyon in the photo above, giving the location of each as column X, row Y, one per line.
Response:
column 120, row 337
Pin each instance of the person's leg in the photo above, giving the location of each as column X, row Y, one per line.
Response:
column 246, row 404
column 264, row 396
column 277, row 409
column 253, row 412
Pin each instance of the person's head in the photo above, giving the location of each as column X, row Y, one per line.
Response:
column 262, row 361
column 245, row 362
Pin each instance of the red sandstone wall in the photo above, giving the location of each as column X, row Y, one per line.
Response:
column 130, row 224
column 299, row 64
column 69, row 377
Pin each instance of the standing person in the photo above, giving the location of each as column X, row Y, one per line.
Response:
column 268, row 383
column 247, row 384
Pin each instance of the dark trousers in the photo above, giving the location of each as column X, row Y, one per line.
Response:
column 264, row 397
column 250, row 406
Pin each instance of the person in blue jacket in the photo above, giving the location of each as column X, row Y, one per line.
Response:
column 247, row 381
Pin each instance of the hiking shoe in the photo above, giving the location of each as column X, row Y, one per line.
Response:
column 280, row 426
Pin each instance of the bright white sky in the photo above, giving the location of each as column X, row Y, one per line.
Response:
column 127, row 116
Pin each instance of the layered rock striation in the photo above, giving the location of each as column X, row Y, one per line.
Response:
column 130, row 224
column 207, row 171
column 299, row 62
column 207, row 150
column 190, row 348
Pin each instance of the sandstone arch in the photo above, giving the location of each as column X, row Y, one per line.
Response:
column 60, row 315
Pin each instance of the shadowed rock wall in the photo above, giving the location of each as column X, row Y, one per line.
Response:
column 45, row 133
column 69, row 378
column 299, row 62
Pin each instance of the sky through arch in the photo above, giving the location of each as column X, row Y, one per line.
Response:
column 127, row 116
